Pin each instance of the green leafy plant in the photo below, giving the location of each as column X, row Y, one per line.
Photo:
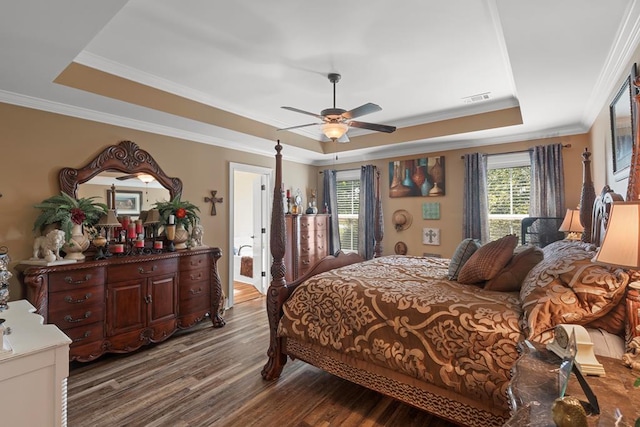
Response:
column 67, row 211
column 185, row 213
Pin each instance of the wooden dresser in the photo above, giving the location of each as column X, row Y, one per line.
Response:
column 307, row 243
column 122, row 303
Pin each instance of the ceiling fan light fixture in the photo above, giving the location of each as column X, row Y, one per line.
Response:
column 145, row 177
column 334, row 131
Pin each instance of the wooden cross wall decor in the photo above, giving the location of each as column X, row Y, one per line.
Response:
column 213, row 200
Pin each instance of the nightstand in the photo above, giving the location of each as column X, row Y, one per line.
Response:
column 534, row 387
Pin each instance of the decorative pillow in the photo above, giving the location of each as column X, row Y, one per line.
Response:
column 567, row 287
column 614, row 321
column 463, row 252
column 511, row 276
column 487, row 261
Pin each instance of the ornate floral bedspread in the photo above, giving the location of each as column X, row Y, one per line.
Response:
column 401, row 313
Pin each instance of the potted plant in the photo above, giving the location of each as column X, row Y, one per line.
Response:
column 184, row 213
column 68, row 212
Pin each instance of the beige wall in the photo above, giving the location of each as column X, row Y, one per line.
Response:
column 450, row 222
column 600, row 135
column 36, row 145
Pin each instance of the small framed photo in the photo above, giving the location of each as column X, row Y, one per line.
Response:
column 431, row 236
column 127, row 202
column 431, row 210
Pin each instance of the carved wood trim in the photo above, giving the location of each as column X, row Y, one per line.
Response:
column 587, row 197
column 125, row 157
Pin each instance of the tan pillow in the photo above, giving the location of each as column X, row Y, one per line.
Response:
column 568, row 288
column 487, row 261
column 511, row 276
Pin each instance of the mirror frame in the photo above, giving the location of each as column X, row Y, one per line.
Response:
column 125, row 157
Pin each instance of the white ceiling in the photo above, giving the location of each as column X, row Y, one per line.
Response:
column 559, row 61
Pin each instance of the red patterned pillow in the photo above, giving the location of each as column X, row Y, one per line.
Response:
column 487, row 261
column 511, row 276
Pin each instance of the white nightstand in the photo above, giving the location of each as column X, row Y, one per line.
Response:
column 34, row 366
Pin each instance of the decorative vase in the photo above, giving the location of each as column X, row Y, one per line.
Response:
column 182, row 235
column 437, row 173
column 78, row 243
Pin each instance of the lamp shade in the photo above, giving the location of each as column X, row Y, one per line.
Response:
column 109, row 220
column 621, row 244
column 334, row 131
column 153, row 217
column 571, row 222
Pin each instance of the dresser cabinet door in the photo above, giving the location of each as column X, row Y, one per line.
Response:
column 161, row 299
column 126, row 307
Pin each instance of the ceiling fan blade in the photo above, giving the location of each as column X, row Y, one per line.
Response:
column 372, row 126
column 343, row 139
column 297, row 110
column 300, row 126
column 125, row 177
column 367, row 108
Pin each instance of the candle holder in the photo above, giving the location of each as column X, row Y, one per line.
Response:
column 170, row 233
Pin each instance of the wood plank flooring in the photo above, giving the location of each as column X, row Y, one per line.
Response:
column 243, row 292
column 211, row 377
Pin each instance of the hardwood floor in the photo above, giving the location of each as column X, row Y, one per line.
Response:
column 243, row 292
column 211, row 377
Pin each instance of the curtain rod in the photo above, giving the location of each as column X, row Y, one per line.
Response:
column 516, row 151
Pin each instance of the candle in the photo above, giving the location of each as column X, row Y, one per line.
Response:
column 172, row 219
column 125, row 222
column 138, row 226
column 118, row 248
column 139, row 243
column 288, row 193
column 157, row 244
column 131, row 231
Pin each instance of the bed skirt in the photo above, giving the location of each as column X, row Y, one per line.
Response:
column 442, row 403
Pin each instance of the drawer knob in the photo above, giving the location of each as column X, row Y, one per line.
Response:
column 148, row 299
column 70, row 319
column 141, row 270
column 195, row 291
column 70, row 280
column 77, row 301
column 195, row 276
column 83, row 337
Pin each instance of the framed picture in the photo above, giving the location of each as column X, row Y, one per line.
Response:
column 417, row 177
column 127, row 202
column 623, row 127
column 431, row 236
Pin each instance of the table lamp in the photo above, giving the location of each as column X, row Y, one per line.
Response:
column 572, row 225
column 107, row 222
column 621, row 247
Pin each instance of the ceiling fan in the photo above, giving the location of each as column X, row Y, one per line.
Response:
column 144, row 177
column 336, row 121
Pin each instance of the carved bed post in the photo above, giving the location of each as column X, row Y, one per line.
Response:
column 587, row 197
column 276, row 295
column 378, row 220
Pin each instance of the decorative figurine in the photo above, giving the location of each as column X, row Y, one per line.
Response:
column 52, row 241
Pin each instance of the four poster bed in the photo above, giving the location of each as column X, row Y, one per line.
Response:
column 398, row 325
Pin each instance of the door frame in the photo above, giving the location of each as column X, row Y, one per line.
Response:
column 268, row 174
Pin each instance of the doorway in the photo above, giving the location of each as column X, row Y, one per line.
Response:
column 249, row 220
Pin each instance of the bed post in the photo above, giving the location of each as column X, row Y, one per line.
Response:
column 378, row 220
column 276, row 294
column 587, row 197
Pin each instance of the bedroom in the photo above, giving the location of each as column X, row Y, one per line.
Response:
column 39, row 141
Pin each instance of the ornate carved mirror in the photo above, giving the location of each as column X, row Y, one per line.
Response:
column 129, row 161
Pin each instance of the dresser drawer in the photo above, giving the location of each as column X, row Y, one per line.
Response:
column 79, row 316
column 194, row 262
column 192, row 276
column 193, row 289
column 85, row 334
column 124, row 272
column 67, row 280
column 85, row 298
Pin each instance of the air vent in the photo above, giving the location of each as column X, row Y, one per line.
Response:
column 477, row 98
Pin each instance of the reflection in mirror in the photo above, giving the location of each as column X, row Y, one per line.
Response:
column 134, row 192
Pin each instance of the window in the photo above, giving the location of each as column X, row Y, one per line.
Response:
column 348, row 188
column 509, row 188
